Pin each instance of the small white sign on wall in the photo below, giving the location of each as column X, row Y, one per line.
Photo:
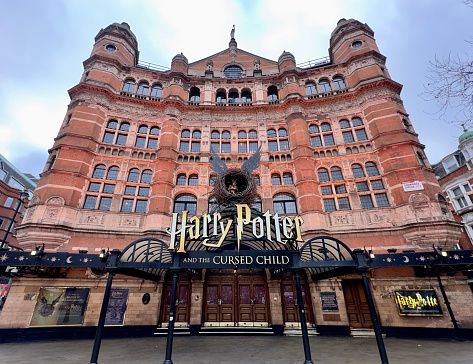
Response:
column 412, row 186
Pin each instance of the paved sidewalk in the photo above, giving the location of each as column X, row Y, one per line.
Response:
column 240, row 349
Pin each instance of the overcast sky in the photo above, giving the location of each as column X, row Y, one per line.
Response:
column 45, row 42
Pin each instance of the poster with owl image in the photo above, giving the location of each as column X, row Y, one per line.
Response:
column 60, row 306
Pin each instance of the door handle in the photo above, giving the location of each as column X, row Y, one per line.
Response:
column 219, row 301
column 295, row 301
column 252, row 301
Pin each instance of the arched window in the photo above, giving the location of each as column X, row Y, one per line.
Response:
column 212, row 180
column 371, row 169
column 156, row 90
column 154, row 130
column 181, row 179
column 146, row 176
column 221, row 97
column 282, row 132
column 99, row 171
column 245, row 96
column 233, row 72
column 226, row 135
column 242, row 134
column 143, row 88
column 357, row 171
column 193, row 180
column 220, row 145
column 357, row 121
column 324, row 86
column 320, row 139
column 272, row 133
column 344, row 124
column 143, row 129
column 336, row 173
column 112, row 173
column 339, row 83
column 287, row 178
column 325, row 127
column 310, row 89
column 196, row 134
column 185, row 134
column 253, row 134
column 323, row 175
column 187, row 141
column 272, row 93
column 185, row 202
column 256, row 180
column 129, row 85
column 275, row 179
column 194, row 94
column 313, row 129
column 284, row 203
column 278, row 141
column 133, row 175
column 112, row 136
column 147, row 139
column 233, row 97
column 215, row 135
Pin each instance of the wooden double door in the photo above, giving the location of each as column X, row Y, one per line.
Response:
column 357, row 305
column 291, row 304
column 182, row 302
column 236, row 300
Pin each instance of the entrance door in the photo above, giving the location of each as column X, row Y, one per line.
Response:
column 182, row 303
column 357, row 305
column 252, row 310
column 291, row 305
column 219, row 304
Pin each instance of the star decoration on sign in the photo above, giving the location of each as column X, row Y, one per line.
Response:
column 422, row 258
column 86, row 260
column 21, row 258
column 389, row 260
column 456, row 256
column 3, row 257
column 53, row 259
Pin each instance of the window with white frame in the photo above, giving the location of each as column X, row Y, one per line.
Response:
column 461, row 196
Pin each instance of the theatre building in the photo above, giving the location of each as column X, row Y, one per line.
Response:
column 209, row 153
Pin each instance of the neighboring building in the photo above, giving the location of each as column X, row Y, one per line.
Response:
column 337, row 148
column 455, row 176
column 12, row 183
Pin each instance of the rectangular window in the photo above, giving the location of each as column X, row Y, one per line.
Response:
column 361, row 134
column 143, row 191
column 225, row 147
column 461, row 202
column 152, row 143
column 141, row 206
column 344, row 203
column 1, row 222
column 326, row 190
column 90, row 202
column 108, row 137
column 94, row 187
column 140, row 142
column 13, row 182
column 273, row 146
column 348, row 137
column 340, row 189
column 284, row 145
column 184, row 146
column 329, row 204
column 366, row 202
column 315, row 141
column 242, row 147
column 8, row 202
column 105, row 203
column 362, row 186
column 195, row 147
column 328, row 140
column 215, row 147
column 253, row 147
column 381, row 200
column 456, row 191
column 467, row 187
column 127, row 205
column 130, row 190
column 121, row 139
column 108, row 188
column 377, row 185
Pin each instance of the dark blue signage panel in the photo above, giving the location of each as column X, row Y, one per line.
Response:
column 329, row 301
column 235, row 259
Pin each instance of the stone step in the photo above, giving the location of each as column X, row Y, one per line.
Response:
column 363, row 333
column 235, row 330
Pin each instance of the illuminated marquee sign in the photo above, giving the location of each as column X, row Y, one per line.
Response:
column 418, row 303
column 244, row 259
column 213, row 230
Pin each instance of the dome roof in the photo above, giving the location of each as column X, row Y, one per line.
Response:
column 465, row 136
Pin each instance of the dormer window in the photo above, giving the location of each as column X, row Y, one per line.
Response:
column 233, row 72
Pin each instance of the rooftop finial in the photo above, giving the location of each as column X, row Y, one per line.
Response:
column 463, row 126
column 232, row 32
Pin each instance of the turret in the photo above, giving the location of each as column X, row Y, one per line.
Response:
column 286, row 61
column 117, row 41
column 351, row 38
column 180, row 64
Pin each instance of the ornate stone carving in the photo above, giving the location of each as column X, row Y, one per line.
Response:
column 55, row 200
